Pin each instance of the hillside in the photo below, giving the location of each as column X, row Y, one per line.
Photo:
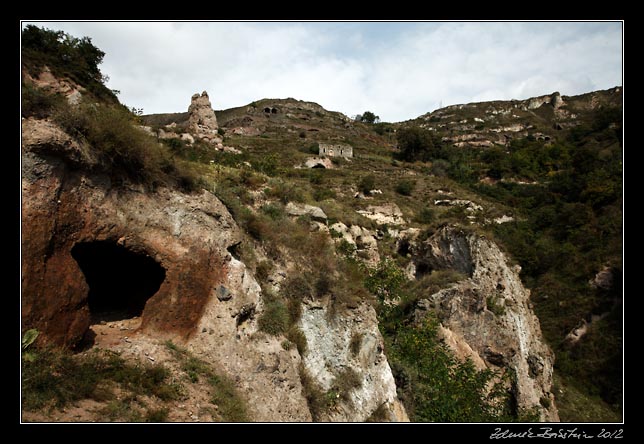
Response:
column 504, row 156
column 476, row 248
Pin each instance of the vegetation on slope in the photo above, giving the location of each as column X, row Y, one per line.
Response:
column 567, row 225
column 567, row 198
column 109, row 129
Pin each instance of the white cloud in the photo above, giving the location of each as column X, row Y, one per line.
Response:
column 397, row 70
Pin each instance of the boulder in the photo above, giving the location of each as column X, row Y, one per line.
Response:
column 316, row 213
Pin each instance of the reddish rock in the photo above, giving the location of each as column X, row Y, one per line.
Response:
column 63, row 205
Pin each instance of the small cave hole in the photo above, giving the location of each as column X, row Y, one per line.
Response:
column 422, row 269
column 404, row 248
column 120, row 280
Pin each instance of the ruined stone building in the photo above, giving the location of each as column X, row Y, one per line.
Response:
column 338, row 150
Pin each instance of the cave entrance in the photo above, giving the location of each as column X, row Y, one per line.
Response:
column 120, row 280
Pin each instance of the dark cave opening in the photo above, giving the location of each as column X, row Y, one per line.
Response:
column 120, row 280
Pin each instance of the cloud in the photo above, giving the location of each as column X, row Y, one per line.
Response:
column 397, row 70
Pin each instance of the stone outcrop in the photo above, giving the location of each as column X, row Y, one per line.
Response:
column 490, row 313
column 315, row 213
column 63, row 207
column 363, row 240
column 349, row 342
column 202, row 121
column 388, row 213
column 53, row 85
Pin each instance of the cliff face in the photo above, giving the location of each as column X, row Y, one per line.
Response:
column 64, row 206
column 488, row 316
column 345, row 347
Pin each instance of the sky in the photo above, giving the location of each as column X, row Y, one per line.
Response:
column 397, row 70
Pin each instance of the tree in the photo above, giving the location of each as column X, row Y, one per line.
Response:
column 417, row 144
column 369, row 117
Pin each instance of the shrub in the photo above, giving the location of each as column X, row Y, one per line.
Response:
column 385, row 280
column 38, row 103
column 254, row 225
column 273, row 211
column 355, row 343
column 263, row 270
column 417, row 144
column 315, row 397
column 494, row 305
column 345, row 248
column 297, row 337
column 405, row 187
column 124, row 150
column 320, row 194
column 275, row 318
column 323, row 284
column 367, row 183
column 425, row 215
column 285, row 191
column 440, row 168
column 436, row 387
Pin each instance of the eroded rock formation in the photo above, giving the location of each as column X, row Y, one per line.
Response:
column 202, row 121
column 490, row 313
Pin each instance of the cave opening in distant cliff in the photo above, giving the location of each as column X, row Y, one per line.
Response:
column 120, row 280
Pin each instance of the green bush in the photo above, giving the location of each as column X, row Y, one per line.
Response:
column 495, row 306
column 434, row 386
column 125, row 151
column 385, row 280
column 367, row 183
column 284, row 191
column 38, row 103
column 426, row 215
column 275, row 318
column 405, row 187
column 273, row 211
column 56, row 378
column 416, row 143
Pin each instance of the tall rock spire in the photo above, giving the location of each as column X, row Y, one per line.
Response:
column 202, row 121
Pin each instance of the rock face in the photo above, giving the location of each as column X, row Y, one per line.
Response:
column 64, row 207
column 47, row 81
column 351, row 342
column 202, row 121
column 206, row 299
column 491, row 313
